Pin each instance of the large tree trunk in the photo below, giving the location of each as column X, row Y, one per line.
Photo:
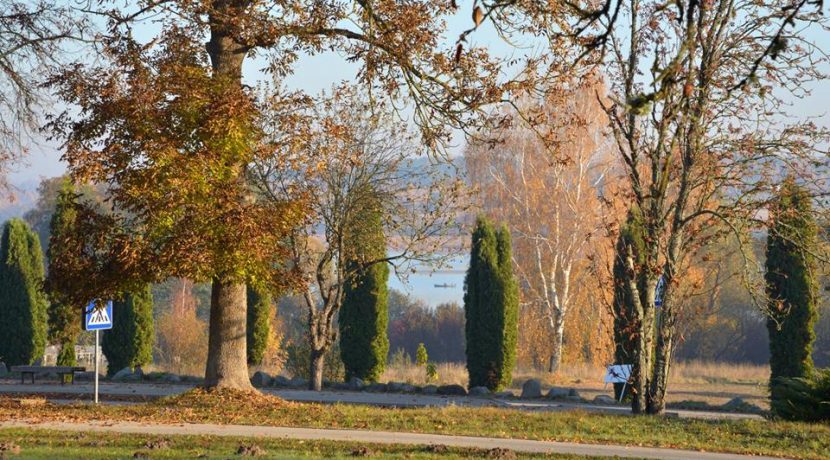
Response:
column 662, row 358
column 227, row 365
column 643, row 346
column 318, row 358
column 558, row 341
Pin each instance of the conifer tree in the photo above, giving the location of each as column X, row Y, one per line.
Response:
column 260, row 303
column 130, row 341
column 629, row 244
column 364, row 316
column 491, row 308
column 22, row 300
column 791, row 279
column 64, row 316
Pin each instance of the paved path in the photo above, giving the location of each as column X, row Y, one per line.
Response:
column 351, row 397
column 382, row 437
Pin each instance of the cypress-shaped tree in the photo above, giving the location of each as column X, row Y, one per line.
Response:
column 22, row 300
column 64, row 316
column 364, row 315
column 508, row 316
column 792, row 288
column 630, row 241
column 260, row 303
column 130, row 341
column 491, row 308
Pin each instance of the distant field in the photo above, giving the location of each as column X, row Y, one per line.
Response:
column 713, row 383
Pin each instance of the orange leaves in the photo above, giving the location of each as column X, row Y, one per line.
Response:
column 478, row 16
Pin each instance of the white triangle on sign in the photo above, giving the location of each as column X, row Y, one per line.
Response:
column 99, row 317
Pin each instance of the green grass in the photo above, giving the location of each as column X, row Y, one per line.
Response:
column 47, row 444
column 794, row 440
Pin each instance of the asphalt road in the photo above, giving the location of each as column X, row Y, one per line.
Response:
column 55, row 390
column 381, row 437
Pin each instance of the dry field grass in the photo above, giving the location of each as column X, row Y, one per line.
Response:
column 713, row 383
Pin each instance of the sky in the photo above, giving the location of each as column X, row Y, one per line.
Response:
column 314, row 74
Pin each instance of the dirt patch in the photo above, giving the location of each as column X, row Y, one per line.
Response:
column 252, row 450
column 157, row 444
column 9, row 448
column 362, row 451
column 436, row 449
column 502, row 454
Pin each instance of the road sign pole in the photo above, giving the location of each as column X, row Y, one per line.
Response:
column 97, row 333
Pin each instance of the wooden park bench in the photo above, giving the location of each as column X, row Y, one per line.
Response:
column 60, row 370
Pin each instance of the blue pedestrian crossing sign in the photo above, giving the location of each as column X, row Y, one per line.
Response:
column 97, row 318
column 660, row 291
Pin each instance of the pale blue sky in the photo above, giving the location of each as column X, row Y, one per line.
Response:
column 317, row 73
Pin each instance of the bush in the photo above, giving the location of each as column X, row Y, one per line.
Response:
column 421, row 356
column 400, row 359
column 803, row 399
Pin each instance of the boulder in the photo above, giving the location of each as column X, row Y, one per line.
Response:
column 573, row 393
column 479, row 391
column 280, row 381
column 172, row 378
column 504, row 394
column 298, row 382
column 452, row 390
column 604, row 399
column 123, row 374
column 558, row 393
column 395, row 387
column 430, row 390
column 355, row 384
column 138, row 372
column 340, row 386
column 376, row 387
column 407, row 388
column 261, row 379
column 532, row 388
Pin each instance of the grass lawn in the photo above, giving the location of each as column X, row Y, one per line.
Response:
column 45, row 444
column 794, row 440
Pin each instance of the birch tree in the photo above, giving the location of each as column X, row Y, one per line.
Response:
column 546, row 190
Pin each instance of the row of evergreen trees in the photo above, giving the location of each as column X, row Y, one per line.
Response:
column 491, row 304
column 32, row 318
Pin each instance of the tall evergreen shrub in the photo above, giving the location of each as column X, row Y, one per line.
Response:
column 64, row 316
column 792, row 288
column 364, row 315
column 260, row 303
column 22, row 300
column 630, row 242
column 491, row 308
column 130, row 341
